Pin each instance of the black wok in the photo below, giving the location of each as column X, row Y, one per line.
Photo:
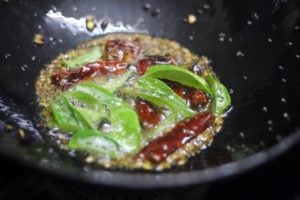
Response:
column 254, row 47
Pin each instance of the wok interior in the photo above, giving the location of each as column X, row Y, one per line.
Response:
column 253, row 46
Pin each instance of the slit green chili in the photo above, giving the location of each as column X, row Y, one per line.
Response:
column 220, row 95
column 126, row 129
column 64, row 116
column 82, row 109
column 179, row 75
column 209, row 84
column 95, row 142
column 91, row 55
column 160, row 94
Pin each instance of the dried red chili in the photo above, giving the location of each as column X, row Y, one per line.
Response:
column 196, row 97
column 121, row 50
column 144, row 63
column 177, row 88
column 66, row 79
column 158, row 149
column 147, row 115
column 192, row 96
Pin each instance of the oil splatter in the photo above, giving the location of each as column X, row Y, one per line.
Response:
column 206, row 6
column 240, row 54
column 283, row 100
column 255, row 16
column 264, row 109
column 7, row 55
column 242, row 134
column 280, row 67
column 286, row 116
column 24, row 67
column 249, row 22
column 222, row 37
column 146, row 6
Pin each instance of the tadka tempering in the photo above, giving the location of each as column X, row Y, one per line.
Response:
column 132, row 101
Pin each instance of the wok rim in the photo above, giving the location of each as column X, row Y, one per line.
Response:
column 161, row 180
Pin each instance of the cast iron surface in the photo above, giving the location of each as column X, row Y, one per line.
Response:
column 277, row 180
column 254, row 47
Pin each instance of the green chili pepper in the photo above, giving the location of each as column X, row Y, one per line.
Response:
column 83, row 107
column 94, row 142
column 71, row 118
column 159, row 94
column 126, row 129
column 84, row 110
column 83, row 99
column 114, row 84
column 64, row 116
column 179, row 75
column 91, row 55
column 104, row 96
column 220, row 95
column 91, row 118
